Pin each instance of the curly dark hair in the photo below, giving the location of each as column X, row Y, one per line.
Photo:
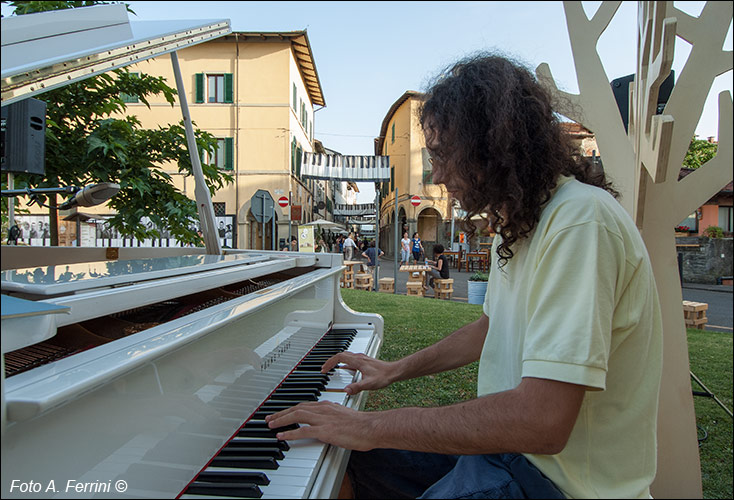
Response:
column 491, row 128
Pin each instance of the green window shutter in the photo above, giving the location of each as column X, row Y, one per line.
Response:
column 293, row 156
column 228, row 153
column 129, row 98
column 199, row 87
column 295, row 97
column 298, row 161
column 393, row 133
column 392, row 179
column 228, row 88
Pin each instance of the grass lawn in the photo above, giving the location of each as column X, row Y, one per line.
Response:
column 412, row 323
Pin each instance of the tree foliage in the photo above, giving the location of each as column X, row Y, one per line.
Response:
column 699, row 152
column 87, row 142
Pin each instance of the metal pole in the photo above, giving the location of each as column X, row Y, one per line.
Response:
column 377, row 237
column 201, row 191
column 399, row 247
column 451, row 207
column 11, row 202
column 290, row 222
column 263, row 223
column 272, row 239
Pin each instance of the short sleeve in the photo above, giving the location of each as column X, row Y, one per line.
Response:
column 570, row 306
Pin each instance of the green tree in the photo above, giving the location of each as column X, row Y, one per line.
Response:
column 87, row 144
column 699, row 152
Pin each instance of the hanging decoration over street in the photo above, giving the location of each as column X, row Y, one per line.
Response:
column 345, row 168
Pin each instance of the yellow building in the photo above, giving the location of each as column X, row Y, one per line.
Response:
column 255, row 92
column 401, row 138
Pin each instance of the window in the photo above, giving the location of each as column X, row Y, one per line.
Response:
column 393, row 134
column 427, row 167
column 691, row 222
column 127, row 98
column 725, row 218
column 392, row 179
column 223, row 157
column 219, row 209
column 218, row 87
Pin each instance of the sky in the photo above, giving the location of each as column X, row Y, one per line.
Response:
column 368, row 54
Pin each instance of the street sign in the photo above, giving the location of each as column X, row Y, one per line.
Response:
column 283, row 201
column 415, row 200
column 261, row 205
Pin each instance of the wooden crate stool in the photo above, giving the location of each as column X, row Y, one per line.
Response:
column 347, row 278
column 363, row 281
column 694, row 314
column 387, row 285
column 443, row 288
column 415, row 288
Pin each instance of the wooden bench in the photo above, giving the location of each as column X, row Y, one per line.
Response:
column 415, row 288
column 443, row 288
column 387, row 285
column 694, row 314
column 363, row 281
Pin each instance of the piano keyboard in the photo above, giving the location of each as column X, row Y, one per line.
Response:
column 254, row 463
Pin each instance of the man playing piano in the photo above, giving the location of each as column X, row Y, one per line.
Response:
column 570, row 340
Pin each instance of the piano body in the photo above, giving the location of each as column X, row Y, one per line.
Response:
column 149, row 377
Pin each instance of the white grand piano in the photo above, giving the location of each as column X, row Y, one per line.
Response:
column 159, row 371
column 147, row 373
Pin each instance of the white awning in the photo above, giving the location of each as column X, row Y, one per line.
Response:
column 46, row 50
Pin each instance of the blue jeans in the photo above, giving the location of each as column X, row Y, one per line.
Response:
column 404, row 255
column 384, row 473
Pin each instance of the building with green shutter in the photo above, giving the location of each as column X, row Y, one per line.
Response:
column 256, row 93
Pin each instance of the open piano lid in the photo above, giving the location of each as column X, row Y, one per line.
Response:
column 45, row 50
column 74, row 278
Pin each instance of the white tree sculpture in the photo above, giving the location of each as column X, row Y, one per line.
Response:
column 644, row 164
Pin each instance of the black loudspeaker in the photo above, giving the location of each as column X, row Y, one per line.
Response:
column 620, row 89
column 24, row 137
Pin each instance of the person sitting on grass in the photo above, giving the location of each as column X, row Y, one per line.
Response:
column 439, row 265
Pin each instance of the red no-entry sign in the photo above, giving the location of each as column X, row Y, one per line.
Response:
column 283, row 201
column 415, row 200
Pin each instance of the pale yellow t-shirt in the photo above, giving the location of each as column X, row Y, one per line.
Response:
column 578, row 303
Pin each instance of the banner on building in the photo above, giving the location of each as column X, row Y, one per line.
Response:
column 305, row 239
column 345, row 168
column 357, row 210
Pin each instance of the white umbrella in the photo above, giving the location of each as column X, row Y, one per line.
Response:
column 325, row 224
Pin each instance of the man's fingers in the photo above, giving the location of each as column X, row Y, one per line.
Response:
column 345, row 357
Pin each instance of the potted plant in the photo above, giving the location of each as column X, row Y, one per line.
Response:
column 682, row 230
column 477, row 287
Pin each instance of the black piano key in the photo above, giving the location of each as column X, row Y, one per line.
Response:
column 281, row 404
column 293, row 396
column 245, row 462
column 300, row 390
column 232, row 476
column 259, row 443
column 237, row 451
column 241, row 490
column 269, row 433
column 303, row 385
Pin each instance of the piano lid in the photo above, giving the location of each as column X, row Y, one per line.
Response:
column 45, row 50
column 72, row 278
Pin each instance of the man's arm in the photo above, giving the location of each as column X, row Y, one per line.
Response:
column 535, row 417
